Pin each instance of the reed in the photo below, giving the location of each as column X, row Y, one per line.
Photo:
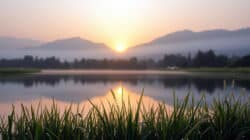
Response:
column 227, row 118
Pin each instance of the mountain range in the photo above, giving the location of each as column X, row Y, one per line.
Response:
column 12, row 42
column 234, row 42
column 74, row 43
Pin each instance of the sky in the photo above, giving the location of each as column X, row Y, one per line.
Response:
column 116, row 22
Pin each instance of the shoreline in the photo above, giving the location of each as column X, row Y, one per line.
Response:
column 181, row 71
column 17, row 71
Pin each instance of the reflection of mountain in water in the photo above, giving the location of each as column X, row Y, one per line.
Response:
column 208, row 84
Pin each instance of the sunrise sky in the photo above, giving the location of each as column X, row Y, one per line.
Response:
column 113, row 22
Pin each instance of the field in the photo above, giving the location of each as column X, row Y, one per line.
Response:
column 222, row 70
column 227, row 118
column 9, row 71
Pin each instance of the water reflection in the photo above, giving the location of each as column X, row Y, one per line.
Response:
column 78, row 88
column 208, row 84
column 120, row 95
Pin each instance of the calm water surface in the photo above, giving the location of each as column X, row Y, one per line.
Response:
column 76, row 87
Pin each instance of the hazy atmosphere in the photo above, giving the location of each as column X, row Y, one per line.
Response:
column 115, row 22
column 125, row 69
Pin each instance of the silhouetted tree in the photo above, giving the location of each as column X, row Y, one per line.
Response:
column 201, row 59
column 205, row 59
column 243, row 62
column 174, row 60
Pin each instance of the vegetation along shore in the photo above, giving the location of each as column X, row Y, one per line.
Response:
column 227, row 118
column 218, row 70
column 11, row 71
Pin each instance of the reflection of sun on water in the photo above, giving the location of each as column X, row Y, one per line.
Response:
column 119, row 91
column 122, row 95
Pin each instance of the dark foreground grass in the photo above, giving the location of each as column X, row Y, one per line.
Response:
column 225, row 119
column 12, row 71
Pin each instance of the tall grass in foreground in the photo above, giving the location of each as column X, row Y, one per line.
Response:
column 224, row 119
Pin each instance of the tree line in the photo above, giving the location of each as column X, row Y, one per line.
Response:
column 200, row 59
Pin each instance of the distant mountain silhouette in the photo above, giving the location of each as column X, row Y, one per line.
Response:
column 188, row 35
column 67, row 49
column 15, row 43
column 235, row 42
column 71, row 44
column 222, row 41
column 71, row 48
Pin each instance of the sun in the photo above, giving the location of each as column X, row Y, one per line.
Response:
column 120, row 48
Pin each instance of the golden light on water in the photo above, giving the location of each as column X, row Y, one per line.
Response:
column 119, row 91
column 122, row 95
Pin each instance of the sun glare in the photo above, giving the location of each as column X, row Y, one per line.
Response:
column 120, row 48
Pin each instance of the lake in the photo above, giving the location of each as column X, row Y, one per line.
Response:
column 68, row 87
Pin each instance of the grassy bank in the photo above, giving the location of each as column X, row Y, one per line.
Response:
column 224, row 119
column 222, row 70
column 9, row 71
